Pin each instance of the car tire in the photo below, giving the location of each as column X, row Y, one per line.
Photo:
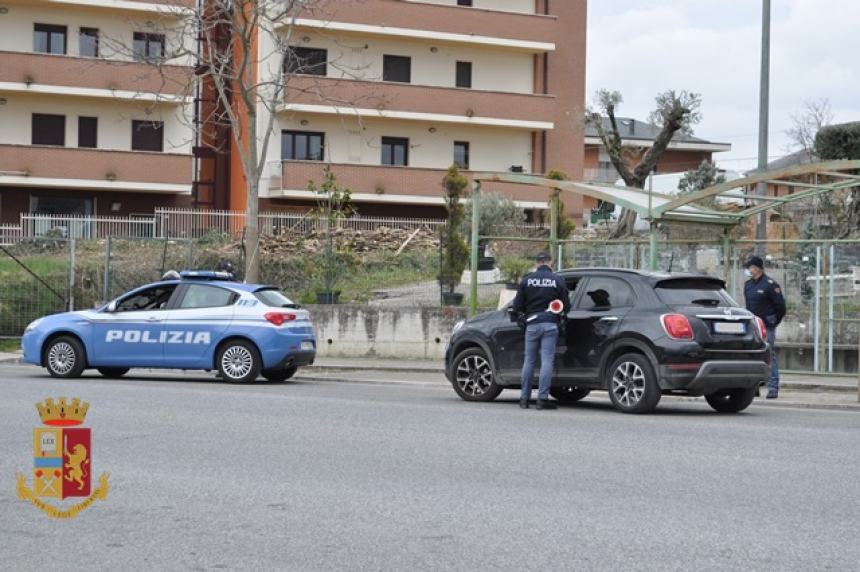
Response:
column 238, row 361
column 731, row 400
column 279, row 375
column 632, row 384
column 569, row 393
column 473, row 377
column 65, row 357
column 113, row 372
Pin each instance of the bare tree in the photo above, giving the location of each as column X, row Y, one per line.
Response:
column 675, row 112
column 806, row 124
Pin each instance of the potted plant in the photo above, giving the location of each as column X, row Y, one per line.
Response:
column 334, row 203
column 513, row 268
column 454, row 252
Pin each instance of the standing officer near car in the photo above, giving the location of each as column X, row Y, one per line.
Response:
column 542, row 298
column 764, row 298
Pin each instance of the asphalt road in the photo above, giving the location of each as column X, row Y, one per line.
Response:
column 326, row 475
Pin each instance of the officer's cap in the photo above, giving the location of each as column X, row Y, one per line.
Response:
column 543, row 257
column 755, row 261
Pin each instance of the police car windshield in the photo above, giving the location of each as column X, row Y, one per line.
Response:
column 693, row 292
column 273, row 297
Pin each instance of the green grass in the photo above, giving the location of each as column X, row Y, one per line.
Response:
column 9, row 345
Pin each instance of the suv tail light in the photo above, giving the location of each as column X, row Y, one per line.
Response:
column 279, row 318
column 762, row 329
column 677, row 326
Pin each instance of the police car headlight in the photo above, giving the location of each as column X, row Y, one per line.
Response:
column 458, row 325
column 32, row 325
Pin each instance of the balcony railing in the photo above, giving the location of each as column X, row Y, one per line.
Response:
column 94, row 164
column 465, row 103
column 472, row 22
column 94, row 73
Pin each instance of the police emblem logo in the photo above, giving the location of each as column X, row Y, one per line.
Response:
column 62, row 460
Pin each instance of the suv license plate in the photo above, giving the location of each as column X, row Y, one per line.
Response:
column 729, row 328
column 307, row 346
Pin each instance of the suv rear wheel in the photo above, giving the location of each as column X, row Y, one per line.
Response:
column 569, row 393
column 632, row 384
column 473, row 376
column 731, row 400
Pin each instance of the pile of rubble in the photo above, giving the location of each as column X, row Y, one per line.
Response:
column 381, row 239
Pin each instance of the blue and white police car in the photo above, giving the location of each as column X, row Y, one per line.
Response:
column 202, row 320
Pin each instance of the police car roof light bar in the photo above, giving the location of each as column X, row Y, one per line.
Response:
column 206, row 275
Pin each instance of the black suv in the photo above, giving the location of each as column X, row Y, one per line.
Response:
column 638, row 335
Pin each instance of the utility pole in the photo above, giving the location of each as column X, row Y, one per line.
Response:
column 764, row 107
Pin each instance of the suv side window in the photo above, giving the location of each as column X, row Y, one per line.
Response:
column 201, row 296
column 155, row 298
column 571, row 284
column 606, row 292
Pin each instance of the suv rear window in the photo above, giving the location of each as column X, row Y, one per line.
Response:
column 708, row 293
column 275, row 298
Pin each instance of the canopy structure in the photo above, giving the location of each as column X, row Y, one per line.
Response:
column 805, row 181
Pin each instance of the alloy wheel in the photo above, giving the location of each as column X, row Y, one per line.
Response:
column 628, row 383
column 474, row 375
column 61, row 358
column 237, row 362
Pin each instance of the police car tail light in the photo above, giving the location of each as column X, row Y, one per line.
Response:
column 279, row 318
column 677, row 326
column 762, row 329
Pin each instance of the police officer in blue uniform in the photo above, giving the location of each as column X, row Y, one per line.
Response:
column 764, row 298
column 542, row 299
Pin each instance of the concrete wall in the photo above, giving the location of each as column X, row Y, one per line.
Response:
column 363, row 331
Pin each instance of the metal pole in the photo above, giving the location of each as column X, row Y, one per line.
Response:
column 72, row 275
column 476, row 218
column 830, row 316
column 817, row 322
column 553, row 222
column 727, row 258
column 763, row 119
column 106, row 292
column 653, row 247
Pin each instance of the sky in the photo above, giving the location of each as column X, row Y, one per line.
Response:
column 713, row 47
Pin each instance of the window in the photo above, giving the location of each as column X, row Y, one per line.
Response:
column 88, row 43
column 48, row 39
column 147, row 135
column 275, row 298
column 395, row 151
column 464, row 74
column 148, row 46
column 604, row 292
column 66, row 204
column 201, row 296
column 155, row 298
column 464, row 2
column 49, row 129
column 311, row 61
column 461, row 154
column 704, row 292
column 302, row 145
column 397, row 68
column 88, row 132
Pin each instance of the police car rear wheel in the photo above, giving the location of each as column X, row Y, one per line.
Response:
column 239, row 362
column 569, row 393
column 113, row 371
column 473, row 376
column 64, row 357
column 279, row 375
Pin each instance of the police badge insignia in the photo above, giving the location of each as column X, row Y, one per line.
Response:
column 62, row 459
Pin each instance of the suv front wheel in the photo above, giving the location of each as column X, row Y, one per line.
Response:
column 632, row 384
column 473, row 376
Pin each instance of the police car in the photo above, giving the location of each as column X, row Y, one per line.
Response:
column 200, row 320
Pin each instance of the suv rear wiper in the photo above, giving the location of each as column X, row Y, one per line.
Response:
column 706, row 302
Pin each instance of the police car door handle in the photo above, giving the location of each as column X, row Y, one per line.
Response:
column 609, row 319
column 153, row 319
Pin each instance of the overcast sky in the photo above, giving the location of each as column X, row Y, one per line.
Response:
column 642, row 47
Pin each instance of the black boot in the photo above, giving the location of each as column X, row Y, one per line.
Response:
column 524, row 403
column 546, row 404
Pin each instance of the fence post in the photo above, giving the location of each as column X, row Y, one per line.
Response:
column 816, row 359
column 727, row 256
column 72, row 275
column 106, row 293
column 476, row 218
column 830, row 311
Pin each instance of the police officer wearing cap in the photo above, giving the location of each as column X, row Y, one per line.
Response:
column 542, row 299
column 764, row 298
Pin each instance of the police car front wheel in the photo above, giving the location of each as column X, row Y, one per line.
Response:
column 238, row 361
column 64, row 357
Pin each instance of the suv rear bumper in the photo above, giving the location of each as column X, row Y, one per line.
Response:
column 714, row 376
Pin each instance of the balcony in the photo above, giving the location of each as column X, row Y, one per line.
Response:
column 164, row 7
column 94, row 169
column 437, row 23
column 381, row 184
column 316, row 94
column 93, row 77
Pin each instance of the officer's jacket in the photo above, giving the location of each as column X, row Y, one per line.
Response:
column 535, row 293
column 764, row 299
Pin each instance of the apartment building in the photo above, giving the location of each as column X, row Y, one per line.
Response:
column 86, row 126
column 399, row 90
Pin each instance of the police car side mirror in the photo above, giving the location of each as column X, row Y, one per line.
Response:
column 111, row 308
